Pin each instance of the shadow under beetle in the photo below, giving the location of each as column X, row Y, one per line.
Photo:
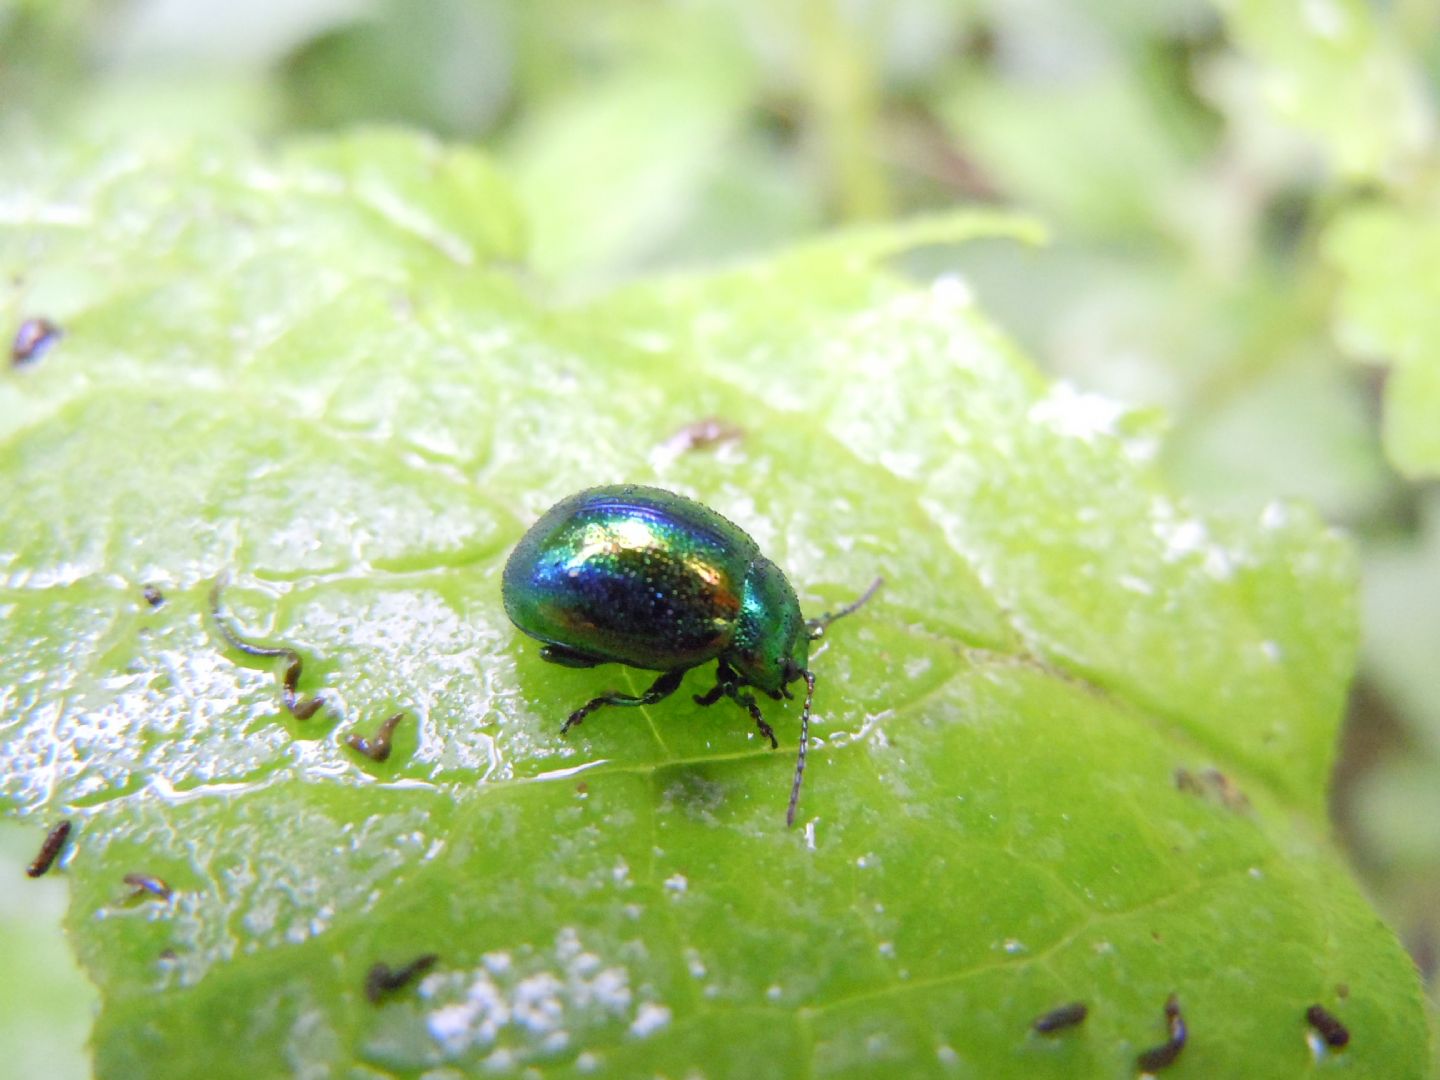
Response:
column 644, row 577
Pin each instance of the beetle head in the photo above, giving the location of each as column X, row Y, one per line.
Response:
column 771, row 646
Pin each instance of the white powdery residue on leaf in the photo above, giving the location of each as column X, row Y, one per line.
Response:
column 526, row 1005
column 22, row 210
column 1135, row 584
column 1076, row 415
column 649, row 1019
column 451, row 1026
column 538, row 1004
column 1274, row 516
column 1187, row 537
column 694, row 963
column 650, row 341
column 610, row 989
column 1140, row 449
column 1183, row 539
column 501, row 1061
column 905, row 465
column 496, row 962
column 1219, row 563
column 676, row 883
column 952, row 290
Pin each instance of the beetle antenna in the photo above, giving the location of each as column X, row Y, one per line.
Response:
column 817, row 626
column 809, row 678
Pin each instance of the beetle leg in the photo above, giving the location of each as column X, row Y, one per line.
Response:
column 724, row 683
column 714, row 694
column 559, row 654
column 747, row 701
column 661, row 688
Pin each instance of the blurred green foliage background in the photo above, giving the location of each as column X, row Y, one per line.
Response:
column 1244, row 198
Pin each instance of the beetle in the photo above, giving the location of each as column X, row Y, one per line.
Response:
column 635, row 575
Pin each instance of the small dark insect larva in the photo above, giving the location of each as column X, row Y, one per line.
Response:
column 1164, row 1055
column 1059, row 1019
column 33, row 340
column 49, row 850
column 148, row 883
column 300, row 708
column 378, row 748
column 153, row 596
column 1328, row 1025
column 382, row 979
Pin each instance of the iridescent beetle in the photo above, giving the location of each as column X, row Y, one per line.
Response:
column 641, row 576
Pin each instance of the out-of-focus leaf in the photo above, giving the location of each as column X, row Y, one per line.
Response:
column 1400, row 813
column 226, row 33
column 1402, row 624
column 1090, row 152
column 1077, row 747
column 1330, row 68
column 1297, row 430
column 444, row 66
column 610, row 173
column 1390, row 311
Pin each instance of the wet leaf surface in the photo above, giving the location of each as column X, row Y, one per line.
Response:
column 320, row 372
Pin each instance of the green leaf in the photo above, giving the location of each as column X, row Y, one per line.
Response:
column 610, row 171
column 1390, row 310
column 1401, row 577
column 316, row 371
column 1332, row 69
column 1039, row 144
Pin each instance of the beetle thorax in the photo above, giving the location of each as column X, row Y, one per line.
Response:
column 771, row 644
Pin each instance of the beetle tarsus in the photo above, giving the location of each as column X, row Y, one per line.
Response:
column 660, row 689
column 747, row 702
column 767, row 732
column 728, row 684
column 710, row 697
